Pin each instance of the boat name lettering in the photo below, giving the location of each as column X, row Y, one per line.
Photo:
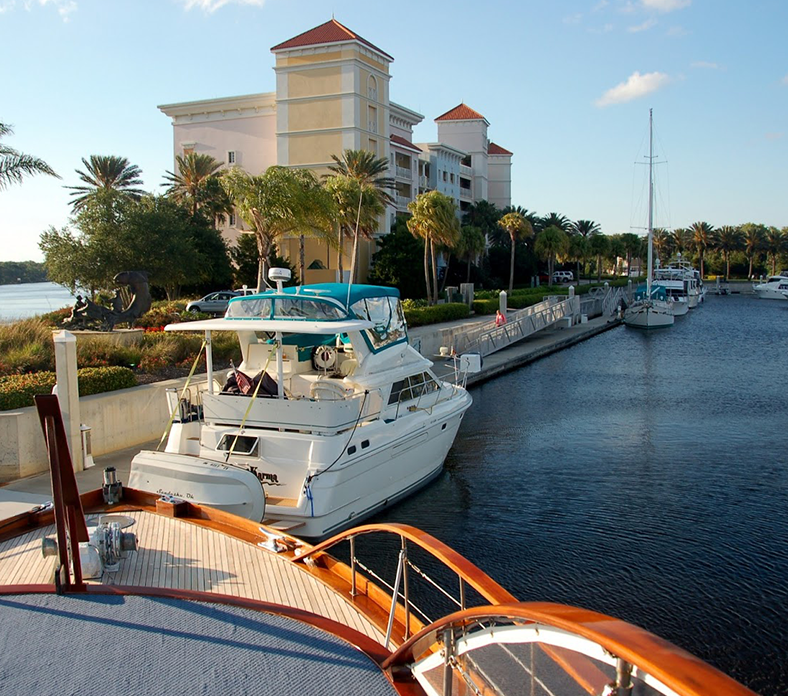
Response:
column 265, row 477
column 175, row 494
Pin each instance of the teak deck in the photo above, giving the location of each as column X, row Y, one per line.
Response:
column 175, row 554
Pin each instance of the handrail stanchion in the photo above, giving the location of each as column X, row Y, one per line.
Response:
column 394, row 597
column 448, row 646
column 623, row 686
column 353, row 566
column 405, row 586
column 462, row 593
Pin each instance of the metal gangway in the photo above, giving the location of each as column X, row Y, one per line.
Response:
column 520, row 324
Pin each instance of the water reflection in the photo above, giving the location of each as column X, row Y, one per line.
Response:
column 642, row 475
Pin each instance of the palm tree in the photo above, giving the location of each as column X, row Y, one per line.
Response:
column 485, row 216
column 278, row 202
column 598, row 246
column 774, row 244
column 682, row 240
column 729, row 239
column 704, row 238
column 754, row 238
column 578, row 250
column 552, row 243
column 107, row 173
column 616, row 249
column 15, row 165
column 586, row 228
column 433, row 219
column 562, row 222
column 368, row 171
column 469, row 246
column 190, row 186
column 662, row 240
column 358, row 208
column 631, row 245
column 518, row 228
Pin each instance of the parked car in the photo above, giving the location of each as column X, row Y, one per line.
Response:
column 563, row 277
column 214, row 303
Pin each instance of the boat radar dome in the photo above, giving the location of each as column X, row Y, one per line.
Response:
column 279, row 276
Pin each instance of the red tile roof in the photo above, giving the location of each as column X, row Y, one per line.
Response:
column 494, row 149
column 330, row 32
column 399, row 140
column 461, row 112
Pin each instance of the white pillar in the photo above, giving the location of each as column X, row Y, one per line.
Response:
column 68, row 392
column 502, row 302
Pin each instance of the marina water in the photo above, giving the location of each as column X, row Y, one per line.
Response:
column 643, row 475
column 28, row 299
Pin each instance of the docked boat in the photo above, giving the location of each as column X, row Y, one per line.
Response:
column 651, row 308
column 137, row 593
column 330, row 416
column 681, row 281
column 772, row 288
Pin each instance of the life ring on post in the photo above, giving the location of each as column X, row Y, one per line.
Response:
column 324, row 358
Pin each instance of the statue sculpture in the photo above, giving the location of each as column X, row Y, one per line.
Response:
column 86, row 314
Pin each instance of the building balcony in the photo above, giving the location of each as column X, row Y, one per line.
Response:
column 466, row 194
column 424, row 181
column 466, row 171
column 402, row 201
column 403, row 173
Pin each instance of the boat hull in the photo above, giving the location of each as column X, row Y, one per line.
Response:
column 649, row 315
column 399, row 458
column 769, row 293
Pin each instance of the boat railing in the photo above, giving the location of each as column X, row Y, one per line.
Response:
column 546, row 648
column 419, row 578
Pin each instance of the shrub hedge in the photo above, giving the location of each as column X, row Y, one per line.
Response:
column 421, row 316
column 17, row 391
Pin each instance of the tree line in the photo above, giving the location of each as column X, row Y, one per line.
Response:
column 117, row 225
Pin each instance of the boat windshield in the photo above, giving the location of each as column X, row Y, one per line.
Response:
column 387, row 315
column 313, row 309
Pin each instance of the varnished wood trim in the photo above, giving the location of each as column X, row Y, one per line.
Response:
column 470, row 573
column 679, row 670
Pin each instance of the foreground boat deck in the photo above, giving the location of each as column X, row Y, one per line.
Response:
column 179, row 555
column 156, row 645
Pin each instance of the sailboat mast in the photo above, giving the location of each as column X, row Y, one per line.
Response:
column 650, row 203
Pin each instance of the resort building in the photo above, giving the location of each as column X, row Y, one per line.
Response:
column 332, row 94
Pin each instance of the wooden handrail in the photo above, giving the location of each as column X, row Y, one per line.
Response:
column 677, row 669
column 470, row 573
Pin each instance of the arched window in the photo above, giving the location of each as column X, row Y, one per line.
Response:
column 372, row 88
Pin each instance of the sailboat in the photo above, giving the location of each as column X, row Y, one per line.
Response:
column 651, row 308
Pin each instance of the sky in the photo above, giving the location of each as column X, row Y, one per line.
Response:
column 565, row 85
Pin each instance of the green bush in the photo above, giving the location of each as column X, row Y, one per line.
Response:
column 422, row 316
column 17, row 391
column 26, row 346
column 100, row 352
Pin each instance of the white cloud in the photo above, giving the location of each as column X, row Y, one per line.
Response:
column 705, row 64
column 785, row 80
column 677, row 31
column 64, row 7
column 774, row 136
column 642, row 27
column 601, row 5
column 573, row 19
column 210, row 6
column 636, row 86
column 665, row 5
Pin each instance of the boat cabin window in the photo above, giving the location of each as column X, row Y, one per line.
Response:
column 388, row 317
column 413, row 387
column 239, row 444
column 285, row 308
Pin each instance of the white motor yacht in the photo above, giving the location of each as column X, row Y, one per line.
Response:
column 681, row 281
column 772, row 288
column 331, row 415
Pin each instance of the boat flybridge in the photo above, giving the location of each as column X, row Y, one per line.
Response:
column 330, row 416
column 682, row 283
